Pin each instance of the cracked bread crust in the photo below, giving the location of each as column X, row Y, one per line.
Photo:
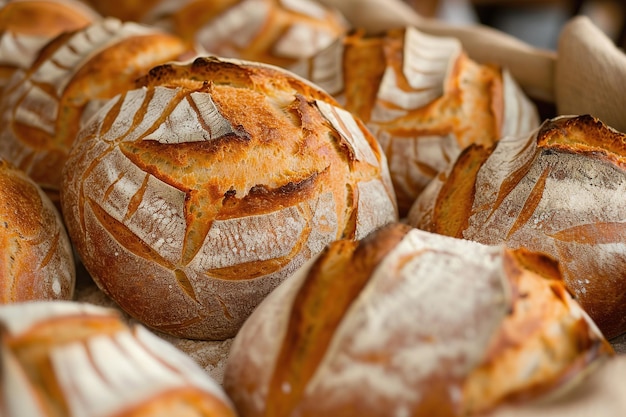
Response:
column 191, row 197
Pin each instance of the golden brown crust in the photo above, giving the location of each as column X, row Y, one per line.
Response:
column 69, row 358
column 422, row 97
column 540, row 313
column 559, row 191
column 27, row 25
column 43, row 18
column 127, row 10
column 457, row 194
column 45, row 108
column 277, row 32
column 326, row 292
column 36, row 260
column 211, row 183
column 585, row 135
column 423, row 324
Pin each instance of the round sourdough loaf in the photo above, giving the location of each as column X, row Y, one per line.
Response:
column 79, row 360
column 27, row 25
column 410, row 323
column 278, row 32
column 190, row 198
column 43, row 107
column 422, row 97
column 36, row 259
column 560, row 190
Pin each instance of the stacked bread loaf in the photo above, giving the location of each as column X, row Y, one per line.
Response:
column 422, row 97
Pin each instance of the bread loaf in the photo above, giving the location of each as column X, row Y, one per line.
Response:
column 36, row 259
column 27, row 25
column 422, row 97
column 407, row 322
column 79, row 360
column 190, row 198
column 43, row 107
column 560, row 190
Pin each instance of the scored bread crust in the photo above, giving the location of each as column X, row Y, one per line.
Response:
column 77, row 359
column 36, row 259
column 27, row 25
column 44, row 107
column 560, row 191
column 422, row 97
column 191, row 198
column 425, row 324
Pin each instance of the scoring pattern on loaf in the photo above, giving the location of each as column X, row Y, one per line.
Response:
column 44, row 106
column 407, row 322
column 277, row 32
column 77, row 359
column 560, row 190
column 26, row 26
column 191, row 198
column 422, row 98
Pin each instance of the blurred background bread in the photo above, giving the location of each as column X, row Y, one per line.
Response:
column 407, row 322
column 43, row 107
column 27, row 25
column 77, row 359
column 192, row 197
column 277, row 32
column 36, row 259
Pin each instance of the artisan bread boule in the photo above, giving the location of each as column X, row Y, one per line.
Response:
column 407, row 322
column 190, row 198
column 560, row 190
column 36, row 259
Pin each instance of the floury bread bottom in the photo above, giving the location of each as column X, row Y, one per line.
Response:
column 408, row 322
